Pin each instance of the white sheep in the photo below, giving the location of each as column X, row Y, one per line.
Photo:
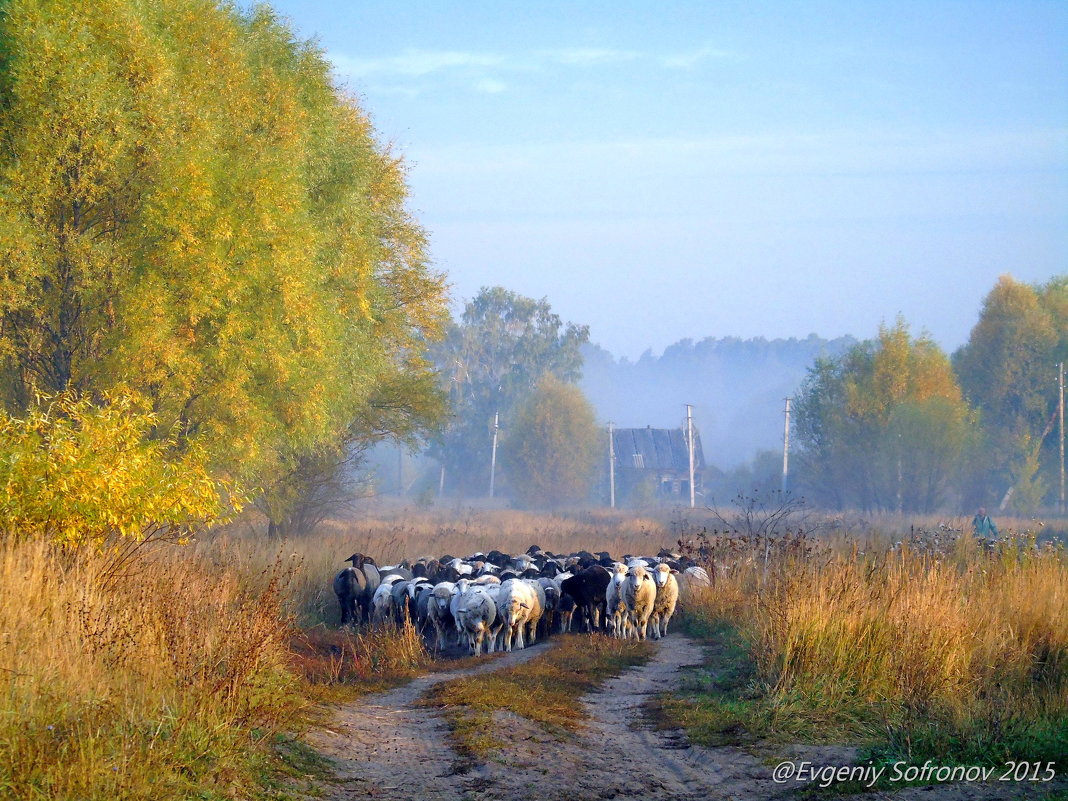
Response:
column 438, row 611
column 515, row 601
column 537, row 610
column 496, row 628
column 383, row 606
column 696, row 576
column 475, row 615
column 615, row 608
column 667, row 597
column 639, row 594
column 454, row 602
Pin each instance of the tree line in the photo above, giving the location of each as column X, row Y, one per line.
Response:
column 213, row 293
column 510, row 362
column 896, row 424
column 891, row 424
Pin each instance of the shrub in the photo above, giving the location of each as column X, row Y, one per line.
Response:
column 75, row 472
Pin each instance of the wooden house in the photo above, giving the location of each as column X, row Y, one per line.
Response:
column 657, row 457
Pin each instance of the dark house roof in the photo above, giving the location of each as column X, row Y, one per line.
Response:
column 656, row 449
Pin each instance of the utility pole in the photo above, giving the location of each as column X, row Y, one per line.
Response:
column 786, row 448
column 611, row 466
column 689, row 447
column 1060, row 413
column 493, row 458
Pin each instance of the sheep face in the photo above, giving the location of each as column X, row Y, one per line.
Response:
column 661, row 574
column 441, row 595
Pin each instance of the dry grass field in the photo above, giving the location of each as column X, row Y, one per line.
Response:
column 938, row 647
column 178, row 677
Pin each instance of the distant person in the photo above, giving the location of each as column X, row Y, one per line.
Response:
column 983, row 526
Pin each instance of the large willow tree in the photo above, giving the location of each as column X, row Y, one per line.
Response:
column 191, row 209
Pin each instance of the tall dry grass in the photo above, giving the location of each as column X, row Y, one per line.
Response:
column 168, row 680
column 163, row 682
column 943, row 647
column 170, row 677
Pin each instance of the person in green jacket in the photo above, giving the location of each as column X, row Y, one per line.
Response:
column 983, row 526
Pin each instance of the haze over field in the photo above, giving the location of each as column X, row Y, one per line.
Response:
column 684, row 170
column 736, row 386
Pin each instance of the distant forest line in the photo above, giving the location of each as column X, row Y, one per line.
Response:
column 891, row 423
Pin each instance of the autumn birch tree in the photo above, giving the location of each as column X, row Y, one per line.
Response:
column 884, row 426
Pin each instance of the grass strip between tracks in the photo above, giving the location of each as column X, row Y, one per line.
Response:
column 544, row 690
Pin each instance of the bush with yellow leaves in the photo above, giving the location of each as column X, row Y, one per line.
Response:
column 76, row 471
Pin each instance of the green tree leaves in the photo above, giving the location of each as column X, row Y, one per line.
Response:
column 551, row 448
column 887, row 427
column 884, row 427
column 490, row 362
column 77, row 472
column 1008, row 371
column 190, row 208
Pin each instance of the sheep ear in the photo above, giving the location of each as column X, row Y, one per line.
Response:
column 675, row 572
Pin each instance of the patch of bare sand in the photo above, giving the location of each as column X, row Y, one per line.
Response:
column 383, row 746
column 619, row 754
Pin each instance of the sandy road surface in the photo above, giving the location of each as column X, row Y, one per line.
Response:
column 383, row 746
column 386, row 747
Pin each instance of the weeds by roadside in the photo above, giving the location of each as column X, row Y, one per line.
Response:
column 341, row 663
column 950, row 649
column 716, row 704
column 167, row 682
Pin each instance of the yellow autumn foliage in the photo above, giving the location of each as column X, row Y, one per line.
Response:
column 77, row 472
column 192, row 208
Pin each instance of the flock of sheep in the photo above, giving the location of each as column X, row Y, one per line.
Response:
column 498, row 601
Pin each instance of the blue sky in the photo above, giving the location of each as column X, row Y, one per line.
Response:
column 669, row 170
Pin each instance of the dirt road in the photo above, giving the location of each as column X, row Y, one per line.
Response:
column 619, row 754
column 386, row 747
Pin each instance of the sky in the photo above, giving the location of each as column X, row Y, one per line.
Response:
column 671, row 170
